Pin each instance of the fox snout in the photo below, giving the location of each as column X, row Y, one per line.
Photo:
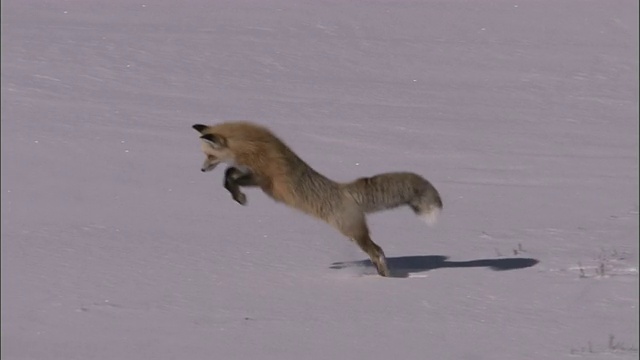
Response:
column 209, row 163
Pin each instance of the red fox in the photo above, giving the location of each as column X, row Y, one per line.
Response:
column 256, row 157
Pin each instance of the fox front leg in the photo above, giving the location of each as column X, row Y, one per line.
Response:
column 233, row 179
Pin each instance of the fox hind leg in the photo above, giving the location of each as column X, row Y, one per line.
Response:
column 359, row 233
column 375, row 254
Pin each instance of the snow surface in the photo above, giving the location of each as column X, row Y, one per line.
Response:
column 524, row 114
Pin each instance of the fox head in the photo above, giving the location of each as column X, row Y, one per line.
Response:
column 214, row 147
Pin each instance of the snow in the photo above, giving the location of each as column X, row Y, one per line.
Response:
column 524, row 115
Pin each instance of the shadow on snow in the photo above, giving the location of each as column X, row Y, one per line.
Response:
column 402, row 266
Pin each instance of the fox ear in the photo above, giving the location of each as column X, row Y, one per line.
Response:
column 199, row 127
column 214, row 140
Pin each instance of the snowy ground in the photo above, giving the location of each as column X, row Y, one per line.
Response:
column 524, row 114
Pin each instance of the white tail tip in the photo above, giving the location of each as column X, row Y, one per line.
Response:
column 431, row 216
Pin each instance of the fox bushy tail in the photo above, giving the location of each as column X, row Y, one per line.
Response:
column 390, row 190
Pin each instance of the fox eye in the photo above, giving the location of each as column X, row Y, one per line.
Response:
column 211, row 157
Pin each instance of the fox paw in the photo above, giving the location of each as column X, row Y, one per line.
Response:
column 240, row 198
column 383, row 270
